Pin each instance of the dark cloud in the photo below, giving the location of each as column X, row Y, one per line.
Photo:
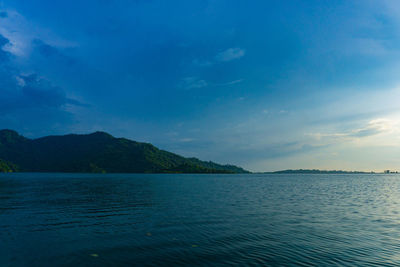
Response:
column 4, row 55
column 50, row 52
column 33, row 92
column 7, row 83
column 3, row 41
column 31, row 101
column 40, row 92
column 45, row 49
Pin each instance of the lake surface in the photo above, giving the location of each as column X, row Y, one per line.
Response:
column 206, row 220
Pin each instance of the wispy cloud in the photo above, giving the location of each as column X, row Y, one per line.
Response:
column 373, row 127
column 230, row 54
column 224, row 56
column 229, row 83
column 365, row 46
column 192, row 83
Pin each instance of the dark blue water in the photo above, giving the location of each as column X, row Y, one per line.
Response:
column 207, row 220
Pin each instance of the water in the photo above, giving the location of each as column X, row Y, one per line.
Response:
column 206, row 220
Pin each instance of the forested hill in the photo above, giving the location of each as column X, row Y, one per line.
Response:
column 98, row 152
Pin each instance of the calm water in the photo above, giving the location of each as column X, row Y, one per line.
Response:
column 163, row 220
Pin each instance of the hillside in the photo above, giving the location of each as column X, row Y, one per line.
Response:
column 97, row 152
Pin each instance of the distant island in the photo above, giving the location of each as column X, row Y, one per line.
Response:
column 316, row 171
column 98, row 152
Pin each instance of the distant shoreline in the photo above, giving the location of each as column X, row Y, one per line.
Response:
column 203, row 173
column 316, row 171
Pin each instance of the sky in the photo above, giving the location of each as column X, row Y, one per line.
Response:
column 266, row 85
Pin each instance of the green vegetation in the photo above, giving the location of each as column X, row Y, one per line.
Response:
column 7, row 167
column 189, row 167
column 98, row 153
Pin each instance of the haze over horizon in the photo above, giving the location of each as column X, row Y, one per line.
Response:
column 275, row 85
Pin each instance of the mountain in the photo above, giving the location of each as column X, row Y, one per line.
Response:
column 97, row 152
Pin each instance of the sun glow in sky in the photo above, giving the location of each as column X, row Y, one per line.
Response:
column 266, row 85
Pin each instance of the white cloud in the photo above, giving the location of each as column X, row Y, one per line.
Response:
column 230, row 83
column 224, row 56
column 374, row 128
column 192, row 83
column 230, row 54
column 20, row 32
column 365, row 46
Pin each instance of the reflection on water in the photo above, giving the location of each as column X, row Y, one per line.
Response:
column 91, row 220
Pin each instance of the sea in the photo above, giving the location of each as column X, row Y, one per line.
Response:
column 53, row 219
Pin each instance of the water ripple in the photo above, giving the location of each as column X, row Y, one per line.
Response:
column 206, row 220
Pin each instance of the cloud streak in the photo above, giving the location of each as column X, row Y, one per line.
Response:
column 373, row 128
column 189, row 83
column 230, row 54
column 230, row 83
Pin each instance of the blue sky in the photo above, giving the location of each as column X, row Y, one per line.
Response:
column 266, row 85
